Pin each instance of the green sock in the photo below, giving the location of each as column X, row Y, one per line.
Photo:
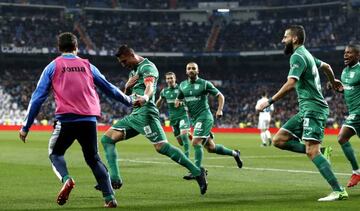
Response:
column 221, row 150
column 186, row 143
column 295, row 145
column 350, row 155
column 111, row 157
column 109, row 197
column 199, row 154
column 325, row 169
column 178, row 156
column 66, row 177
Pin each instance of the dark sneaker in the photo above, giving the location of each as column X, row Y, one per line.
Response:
column 239, row 162
column 116, row 184
column 189, row 176
column 201, row 180
column 64, row 193
column 110, row 204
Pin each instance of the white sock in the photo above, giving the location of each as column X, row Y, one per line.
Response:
column 268, row 134
column 356, row 172
column 263, row 137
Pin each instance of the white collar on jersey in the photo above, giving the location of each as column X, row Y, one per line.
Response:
column 355, row 65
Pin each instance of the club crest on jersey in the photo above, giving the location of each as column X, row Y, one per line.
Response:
column 196, row 86
column 352, row 74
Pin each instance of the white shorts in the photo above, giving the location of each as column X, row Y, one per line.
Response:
column 264, row 124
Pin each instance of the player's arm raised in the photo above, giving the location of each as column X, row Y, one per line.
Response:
column 149, row 91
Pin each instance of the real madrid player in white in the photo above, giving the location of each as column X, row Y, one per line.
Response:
column 264, row 121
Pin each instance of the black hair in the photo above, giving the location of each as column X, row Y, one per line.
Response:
column 124, row 50
column 67, row 42
column 299, row 31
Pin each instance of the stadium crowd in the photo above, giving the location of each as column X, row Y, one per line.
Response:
column 239, row 110
column 166, row 32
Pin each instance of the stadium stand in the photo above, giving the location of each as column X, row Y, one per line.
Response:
column 165, row 26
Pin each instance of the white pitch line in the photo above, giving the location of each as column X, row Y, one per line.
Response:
column 233, row 167
column 244, row 157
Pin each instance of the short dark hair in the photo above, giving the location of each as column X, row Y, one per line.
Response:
column 299, row 31
column 124, row 50
column 170, row 73
column 354, row 46
column 67, row 42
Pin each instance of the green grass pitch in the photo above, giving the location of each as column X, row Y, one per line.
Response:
column 271, row 179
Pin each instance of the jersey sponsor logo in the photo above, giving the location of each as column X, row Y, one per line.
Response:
column 73, row 69
column 170, row 101
column 192, row 98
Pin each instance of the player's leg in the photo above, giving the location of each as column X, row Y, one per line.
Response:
column 346, row 132
column 61, row 139
column 261, row 127
column 288, row 137
column 155, row 133
column 220, row 149
column 267, row 132
column 87, row 138
column 263, row 137
column 324, row 167
column 313, row 134
column 184, row 127
column 118, row 132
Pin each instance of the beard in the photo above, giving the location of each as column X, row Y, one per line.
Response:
column 289, row 48
column 192, row 75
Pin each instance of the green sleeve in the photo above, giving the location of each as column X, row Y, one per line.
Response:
column 318, row 62
column 211, row 89
column 297, row 66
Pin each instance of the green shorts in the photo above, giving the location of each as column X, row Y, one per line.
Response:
column 353, row 122
column 307, row 126
column 148, row 125
column 179, row 125
column 202, row 127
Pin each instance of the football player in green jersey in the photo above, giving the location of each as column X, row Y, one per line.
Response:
column 179, row 119
column 144, row 119
column 308, row 124
column 194, row 92
column 350, row 78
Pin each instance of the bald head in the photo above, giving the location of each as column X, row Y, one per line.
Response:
column 192, row 71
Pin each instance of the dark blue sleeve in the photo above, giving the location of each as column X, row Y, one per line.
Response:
column 39, row 96
column 108, row 88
